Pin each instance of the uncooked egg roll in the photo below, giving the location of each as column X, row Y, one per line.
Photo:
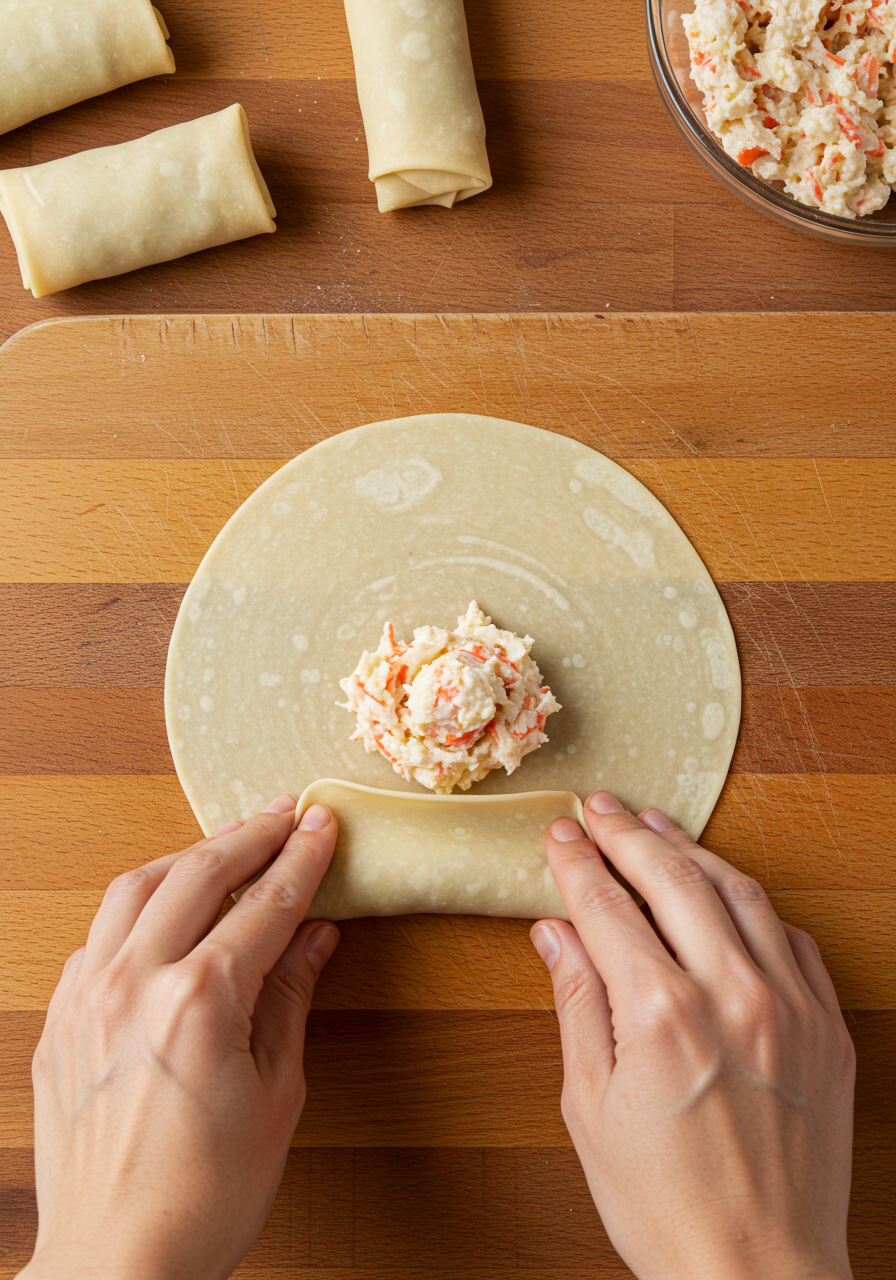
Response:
column 114, row 209
column 417, row 90
column 56, row 52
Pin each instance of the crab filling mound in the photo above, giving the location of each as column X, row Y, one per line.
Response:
column 450, row 706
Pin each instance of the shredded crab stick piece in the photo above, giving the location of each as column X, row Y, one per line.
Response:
column 450, row 706
column 787, row 84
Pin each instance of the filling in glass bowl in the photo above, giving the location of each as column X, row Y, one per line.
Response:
column 803, row 93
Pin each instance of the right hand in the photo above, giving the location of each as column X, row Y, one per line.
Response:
column 708, row 1082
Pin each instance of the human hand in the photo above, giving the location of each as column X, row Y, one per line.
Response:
column 168, row 1080
column 709, row 1091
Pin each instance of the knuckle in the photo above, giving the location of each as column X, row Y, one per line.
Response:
column 601, row 897
column 209, row 860
column 308, row 844
column 738, row 888
column 272, row 892
column 190, row 984
column 751, row 1006
column 75, row 960
column 676, row 871
column 618, row 826
column 108, row 995
column 268, row 825
column 195, row 974
column 128, row 883
column 570, row 990
column 803, row 939
column 40, row 1062
column 293, row 985
column 663, row 1007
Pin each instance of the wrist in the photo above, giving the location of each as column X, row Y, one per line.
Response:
column 75, row 1263
column 738, row 1267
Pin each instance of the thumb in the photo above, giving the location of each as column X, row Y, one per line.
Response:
column 281, row 1010
column 583, row 1011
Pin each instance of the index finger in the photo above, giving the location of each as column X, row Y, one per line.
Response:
column 256, row 932
column 125, row 899
column 610, row 923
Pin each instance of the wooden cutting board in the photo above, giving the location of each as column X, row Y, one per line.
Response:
column 432, row 1144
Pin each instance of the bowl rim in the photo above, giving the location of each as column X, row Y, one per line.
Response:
column 755, row 190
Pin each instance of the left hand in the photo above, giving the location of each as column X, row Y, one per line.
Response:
column 168, row 1081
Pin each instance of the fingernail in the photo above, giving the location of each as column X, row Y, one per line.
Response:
column 283, row 804
column 657, row 821
column 321, row 944
column 315, row 818
column 226, row 829
column 603, row 802
column 567, row 829
column 545, row 940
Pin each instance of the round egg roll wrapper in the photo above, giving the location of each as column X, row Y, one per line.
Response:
column 114, row 209
column 56, row 52
column 417, row 91
column 408, row 521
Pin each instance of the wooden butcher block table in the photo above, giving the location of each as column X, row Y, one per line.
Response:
column 432, row 1145
column 597, row 202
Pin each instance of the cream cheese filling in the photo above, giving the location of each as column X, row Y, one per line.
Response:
column 450, row 706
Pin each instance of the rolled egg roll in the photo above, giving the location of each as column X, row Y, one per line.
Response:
column 115, row 209
column 56, row 52
column 417, row 90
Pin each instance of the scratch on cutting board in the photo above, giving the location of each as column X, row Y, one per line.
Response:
column 170, row 436
column 821, row 487
column 517, row 341
column 224, row 278
column 259, row 374
column 263, row 43
column 605, row 377
column 691, row 327
column 549, row 1012
column 643, row 439
column 439, row 267
column 649, row 409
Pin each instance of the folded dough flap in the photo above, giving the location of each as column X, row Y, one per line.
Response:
column 408, row 188
column 402, row 854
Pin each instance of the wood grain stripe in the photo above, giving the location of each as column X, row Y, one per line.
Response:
column 269, row 386
column 411, row 1192
column 461, row 1079
column 409, row 1214
column 94, row 634
column 83, row 731
column 509, row 39
column 853, row 928
column 436, row 1214
column 133, row 521
column 803, row 831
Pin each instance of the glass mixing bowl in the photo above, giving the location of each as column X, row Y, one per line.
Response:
column 670, row 62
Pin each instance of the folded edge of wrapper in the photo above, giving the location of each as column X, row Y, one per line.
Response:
column 411, row 188
column 399, row 853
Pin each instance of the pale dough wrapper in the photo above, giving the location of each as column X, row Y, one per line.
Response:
column 399, row 854
column 417, row 90
column 407, row 521
column 56, row 52
column 115, row 209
